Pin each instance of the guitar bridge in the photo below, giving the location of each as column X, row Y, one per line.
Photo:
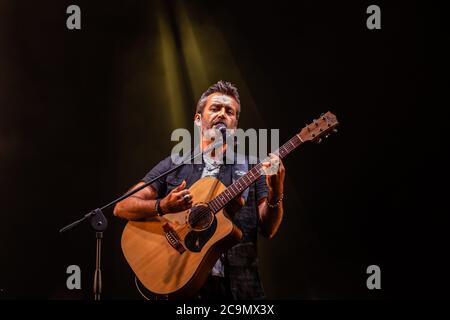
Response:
column 173, row 238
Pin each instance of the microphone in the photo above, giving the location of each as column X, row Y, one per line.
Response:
column 222, row 128
column 226, row 135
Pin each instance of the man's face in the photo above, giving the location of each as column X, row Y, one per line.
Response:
column 219, row 108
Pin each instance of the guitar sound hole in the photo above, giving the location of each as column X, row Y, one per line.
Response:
column 194, row 241
column 200, row 217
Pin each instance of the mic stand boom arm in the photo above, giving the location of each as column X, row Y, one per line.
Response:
column 99, row 223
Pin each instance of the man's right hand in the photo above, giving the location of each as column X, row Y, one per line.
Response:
column 179, row 199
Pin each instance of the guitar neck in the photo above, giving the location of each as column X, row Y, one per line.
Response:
column 251, row 176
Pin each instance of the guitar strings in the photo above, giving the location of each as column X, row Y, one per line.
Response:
column 288, row 147
column 204, row 213
column 184, row 230
column 256, row 171
column 281, row 152
column 284, row 150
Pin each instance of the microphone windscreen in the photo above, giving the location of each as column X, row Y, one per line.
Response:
column 221, row 127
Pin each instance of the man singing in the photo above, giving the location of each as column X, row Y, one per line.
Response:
column 235, row 274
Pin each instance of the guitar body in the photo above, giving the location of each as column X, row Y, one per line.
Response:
column 172, row 255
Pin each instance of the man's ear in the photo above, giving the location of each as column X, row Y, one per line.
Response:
column 198, row 119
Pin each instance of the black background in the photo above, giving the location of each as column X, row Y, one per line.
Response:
column 83, row 117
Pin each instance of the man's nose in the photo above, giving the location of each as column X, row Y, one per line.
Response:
column 221, row 113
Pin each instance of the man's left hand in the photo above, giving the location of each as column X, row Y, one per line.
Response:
column 274, row 170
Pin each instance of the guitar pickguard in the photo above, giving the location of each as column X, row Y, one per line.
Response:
column 195, row 240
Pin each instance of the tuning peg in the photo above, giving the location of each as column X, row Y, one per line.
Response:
column 335, row 130
column 327, row 136
column 320, row 140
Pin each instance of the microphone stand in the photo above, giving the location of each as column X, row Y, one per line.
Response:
column 99, row 223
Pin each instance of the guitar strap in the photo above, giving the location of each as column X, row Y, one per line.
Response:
column 239, row 168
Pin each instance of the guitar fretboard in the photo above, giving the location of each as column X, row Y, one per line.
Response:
column 251, row 176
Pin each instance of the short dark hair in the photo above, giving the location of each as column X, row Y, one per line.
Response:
column 221, row 86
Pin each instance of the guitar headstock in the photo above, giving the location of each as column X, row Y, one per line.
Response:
column 319, row 128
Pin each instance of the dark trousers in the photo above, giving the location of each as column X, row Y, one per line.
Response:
column 215, row 288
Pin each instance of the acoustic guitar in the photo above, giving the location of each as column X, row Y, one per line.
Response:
column 173, row 254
